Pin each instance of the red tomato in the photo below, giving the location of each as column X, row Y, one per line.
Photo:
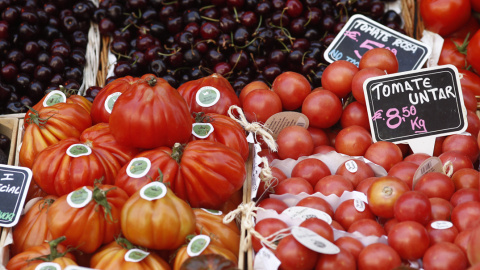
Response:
column 220, row 101
column 337, row 226
column 88, row 227
column 343, row 260
column 404, row 171
column 60, row 169
column 466, row 178
column 273, row 204
column 266, row 227
column 441, row 231
column 444, row 16
column 378, row 256
column 435, row 184
column 380, row 58
column 182, row 255
column 352, row 245
column 464, row 144
column 469, row 99
column 278, row 176
column 294, row 142
column 365, row 184
column 353, row 141
column 469, row 28
column 153, row 109
column 473, row 252
column 454, row 52
column 414, row 206
column 338, row 76
column 318, row 226
column 346, row 213
column 295, row 256
column 385, row 154
column 410, row 239
column 457, row 160
column 319, row 136
column 355, row 114
column 470, row 79
column 437, row 149
column 225, row 131
column 99, row 113
column 466, row 215
column 358, row 80
column 417, row 158
column 311, row 169
column 387, row 225
column 260, row 104
column 316, row 203
column 322, row 108
column 250, row 87
column 383, row 193
column 462, row 239
column 473, row 123
column 294, row 185
column 445, row 256
column 355, row 171
column 292, row 88
column 333, row 184
column 473, row 57
column 367, row 227
column 441, row 209
column 323, row 149
column 268, row 154
column 464, row 195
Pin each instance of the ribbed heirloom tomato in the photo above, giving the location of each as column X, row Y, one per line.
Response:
column 150, row 114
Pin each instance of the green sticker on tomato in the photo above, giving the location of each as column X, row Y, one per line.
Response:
column 110, row 101
column 48, row 266
column 139, row 167
column 207, row 96
column 153, row 191
column 54, row 97
column 202, row 130
column 135, row 255
column 78, row 150
column 79, row 198
column 197, row 245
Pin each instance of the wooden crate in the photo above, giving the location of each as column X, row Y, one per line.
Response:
column 9, row 127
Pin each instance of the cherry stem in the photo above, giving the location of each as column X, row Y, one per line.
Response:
column 209, row 19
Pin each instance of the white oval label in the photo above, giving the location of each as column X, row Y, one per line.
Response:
column 441, row 224
column 78, row 150
column 48, row 266
column 351, row 166
column 359, row 205
column 313, row 241
column 304, row 213
column 138, row 167
column 110, row 101
column 213, row 212
column 197, row 245
column 54, row 97
column 207, row 96
column 135, row 255
column 202, row 130
column 80, row 197
column 153, row 191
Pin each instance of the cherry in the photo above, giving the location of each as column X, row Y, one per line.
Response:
column 27, row 66
column 75, row 73
column 106, row 26
column 271, row 71
column 43, row 73
column 15, row 56
column 249, row 19
column 9, row 72
column 158, row 67
column 294, row 8
column 190, row 16
column 28, row 16
column 209, row 30
column 56, row 63
column 263, row 8
column 222, row 68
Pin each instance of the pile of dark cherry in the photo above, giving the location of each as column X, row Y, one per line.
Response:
column 42, row 46
column 244, row 40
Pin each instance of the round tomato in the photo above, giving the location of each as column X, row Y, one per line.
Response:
column 352, row 245
column 416, row 158
column 73, row 163
column 294, row 255
column 404, row 171
column 410, row 239
column 210, row 94
column 153, row 109
column 353, row 141
column 464, row 144
column 267, row 183
column 311, row 169
column 114, row 256
column 343, row 260
column 250, row 87
column 454, row 52
column 378, row 256
column 273, row 204
column 473, row 56
column 222, row 129
column 92, row 224
column 470, row 79
column 350, row 211
column 294, row 185
column 355, row 171
column 365, row 184
column 292, row 88
column 435, row 184
column 380, row 58
column 466, row 215
column 383, row 193
column 265, row 228
column 443, row 256
column 316, row 203
column 441, row 209
column 356, row 114
column 358, row 80
column 50, row 125
column 413, row 206
column 466, row 178
column 158, row 222
column 322, row 108
column 367, row 227
column 456, row 160
column 338, row 76
column 319, row 136
column 473, row 252
column 444, row 16
column 294, row 142
column 318, row 226
column 441, row 231
column 385, row 154
column 464, row 195
column 333, row 184
column 260, row 104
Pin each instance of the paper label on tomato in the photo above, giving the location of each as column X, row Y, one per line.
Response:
column 281, row 120
column 153, row 191
column 202, row 130
column 54, row 97
column 135, row 255
column 139, row 167
column 80, row 197
column 213, row 212
column 197, row 245
column 313, row 241
column 304, row 213
column 431, row 164
column 359, row 205
column 351, row 166
column 48, row 266
column 110, row 101
column 267, row 259
column 441, row 224
column 207, row 96
column 78, row 150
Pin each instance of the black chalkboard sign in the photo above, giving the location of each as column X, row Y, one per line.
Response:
column 361, row 34
column 415, row 104
column 14, row 184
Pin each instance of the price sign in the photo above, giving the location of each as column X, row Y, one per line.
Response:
column 415, row 104
column 14, row 184
column 361, row 34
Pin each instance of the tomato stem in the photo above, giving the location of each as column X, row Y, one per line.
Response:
column 200, row 117
column 177, row 152
column 387, row 191
column 36, row 119
column 123, row 242
column 53, row 251
column 152, row 81
column 100, row 197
